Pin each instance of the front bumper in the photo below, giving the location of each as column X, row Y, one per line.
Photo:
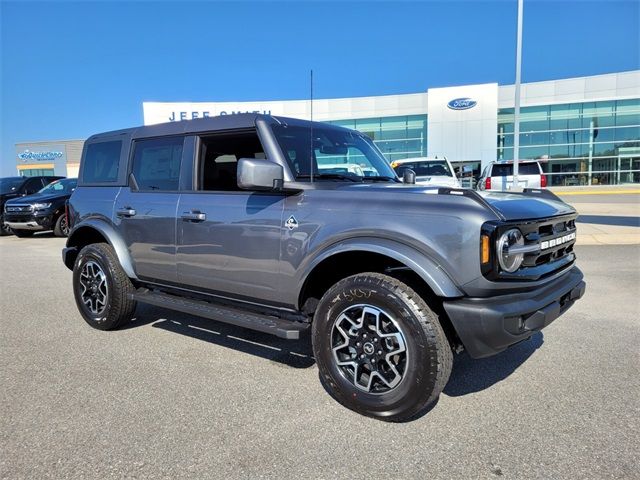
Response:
column 488, row 326
column 29, row 221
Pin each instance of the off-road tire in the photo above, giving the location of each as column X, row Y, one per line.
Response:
column 60, row 229
column 23, row 233
column 117, row 308
column 428, row 359
column 4, row 230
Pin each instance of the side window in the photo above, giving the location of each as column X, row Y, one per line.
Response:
column 219, row 155
column 33, row 185
column 156, row 163
column 529, row 169
column 101, row 161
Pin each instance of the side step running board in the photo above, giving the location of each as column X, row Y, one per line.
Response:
column 263, row 323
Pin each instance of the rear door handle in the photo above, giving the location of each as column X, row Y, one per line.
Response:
column 126, row 212
column 194, row 216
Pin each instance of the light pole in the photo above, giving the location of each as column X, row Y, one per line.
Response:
column 516, row 116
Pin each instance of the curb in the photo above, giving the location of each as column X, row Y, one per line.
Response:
column 600, row 192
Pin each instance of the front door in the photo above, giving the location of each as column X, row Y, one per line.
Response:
column 230, row 242
column 229, row 239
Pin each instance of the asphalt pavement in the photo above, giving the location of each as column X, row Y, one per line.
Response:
column 174, row 396
column 606, row 217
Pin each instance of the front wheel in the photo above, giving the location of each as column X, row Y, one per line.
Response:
column 101, row 288
column 380, row 349
column 61, row 228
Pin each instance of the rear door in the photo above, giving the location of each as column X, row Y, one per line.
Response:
column 145, row 210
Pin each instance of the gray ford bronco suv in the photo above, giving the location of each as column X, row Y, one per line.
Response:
column 266, row 223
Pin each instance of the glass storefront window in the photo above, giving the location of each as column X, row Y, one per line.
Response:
column 627, row 133
column 37, row 172
column 534, row 118
column 602, row 114
column 567, row 132
column 565, row 116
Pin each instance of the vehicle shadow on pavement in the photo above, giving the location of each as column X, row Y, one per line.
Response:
column 610, row 220
column 470, row 376
column 292, row 353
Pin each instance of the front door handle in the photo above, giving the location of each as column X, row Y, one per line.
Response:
column 194, row 216
column 126, row 212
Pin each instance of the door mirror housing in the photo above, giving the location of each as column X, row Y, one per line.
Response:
column 259, row 174
column 409, row 177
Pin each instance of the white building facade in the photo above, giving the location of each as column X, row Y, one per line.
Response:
column 585, row 130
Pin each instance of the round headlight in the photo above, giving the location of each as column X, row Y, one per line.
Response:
column 510, row 262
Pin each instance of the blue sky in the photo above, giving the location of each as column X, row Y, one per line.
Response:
column 72, row 69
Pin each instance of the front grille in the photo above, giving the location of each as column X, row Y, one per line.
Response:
column 18, row 208
column 555, row 238
column 19, row 218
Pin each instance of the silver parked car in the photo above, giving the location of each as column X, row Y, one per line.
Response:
column 499, row 176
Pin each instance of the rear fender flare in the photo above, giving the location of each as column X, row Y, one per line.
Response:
column 112, row 237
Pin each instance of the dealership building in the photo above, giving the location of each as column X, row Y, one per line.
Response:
column 584, row 131
column 56, row 157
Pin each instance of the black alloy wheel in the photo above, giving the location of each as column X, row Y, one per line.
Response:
column 101, row 288
column 380, row 349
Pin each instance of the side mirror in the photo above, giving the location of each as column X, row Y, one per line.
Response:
column 409, row 176
column 259, row 174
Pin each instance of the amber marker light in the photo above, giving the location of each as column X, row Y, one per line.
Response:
column 484, row 252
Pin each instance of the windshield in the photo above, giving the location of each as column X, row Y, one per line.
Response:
column 337, row 154
column 9, row 185
column 425, row 168
column 67, row 185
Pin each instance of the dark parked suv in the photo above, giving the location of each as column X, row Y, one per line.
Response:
column 13, row 187
column 45, row 210
column 245, row 219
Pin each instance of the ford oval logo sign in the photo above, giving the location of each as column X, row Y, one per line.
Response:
column 461, row 104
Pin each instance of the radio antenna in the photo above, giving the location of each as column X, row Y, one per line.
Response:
column 311, row 143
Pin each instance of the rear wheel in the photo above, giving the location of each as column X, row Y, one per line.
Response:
column 379, row 347
column 101, row 288
column 23, row 233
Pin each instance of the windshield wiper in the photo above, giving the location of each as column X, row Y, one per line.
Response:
column 332, row 176
column 380, row 179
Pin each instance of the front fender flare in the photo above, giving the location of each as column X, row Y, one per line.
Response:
column 427, row 268
column 112, row 237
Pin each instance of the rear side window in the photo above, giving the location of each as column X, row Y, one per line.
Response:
column 101, row 162
column 506, row 170
column 156, row 163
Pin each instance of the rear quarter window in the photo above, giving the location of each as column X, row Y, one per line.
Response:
column 101, row 162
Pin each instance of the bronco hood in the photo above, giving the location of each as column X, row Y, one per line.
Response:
column 517, row 206
column 507, row 206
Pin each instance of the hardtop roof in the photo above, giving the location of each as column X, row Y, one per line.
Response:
column 199, row 125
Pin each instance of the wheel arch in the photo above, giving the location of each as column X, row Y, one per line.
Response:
column 97, row 231
column 377, row 255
